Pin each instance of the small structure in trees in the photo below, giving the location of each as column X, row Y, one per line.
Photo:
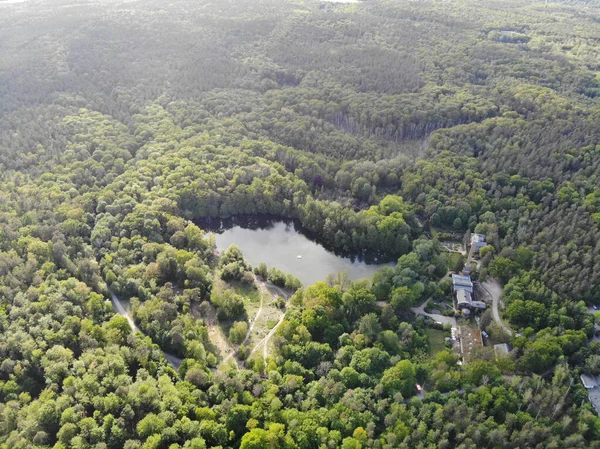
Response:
column 592, row 386
column 478, row 242
column 501, row 350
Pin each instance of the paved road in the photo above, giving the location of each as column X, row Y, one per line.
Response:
column 438, row 318
column 121, row 310
column 494, row 290
column 470, row 258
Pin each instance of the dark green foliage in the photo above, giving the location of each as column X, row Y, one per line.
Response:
column 376, row 125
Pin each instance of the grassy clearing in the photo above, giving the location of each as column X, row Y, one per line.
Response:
column 436, row 340
column 249, row 292
column 266, row 320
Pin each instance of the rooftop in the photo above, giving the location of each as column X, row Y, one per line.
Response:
column 463, row 297
column 461, row 280
column 462, row 283
column 589, row 381
column 501, row 349
column 594, row 396
column 475, row 238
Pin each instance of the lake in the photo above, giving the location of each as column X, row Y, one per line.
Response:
column 278, row 243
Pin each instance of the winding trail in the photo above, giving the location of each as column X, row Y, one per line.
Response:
column 267, row 288
column 265, row 341
column 258, row 312
column 275, row 290
column 233, row 352
column 217, row 337
column 121, row 310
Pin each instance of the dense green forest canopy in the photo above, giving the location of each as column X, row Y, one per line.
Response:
column 377, row 125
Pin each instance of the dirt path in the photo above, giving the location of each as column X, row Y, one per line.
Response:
column 258, row 312
column 216, row 335
column 231, row 357
column 121, row 310
column 457, row 248
column 268, row 337
column 265, row 341
column 275, row 291
column 494, row 290
column 278, row 290
column 226, row 349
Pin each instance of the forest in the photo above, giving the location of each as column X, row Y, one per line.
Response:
column 382, row 127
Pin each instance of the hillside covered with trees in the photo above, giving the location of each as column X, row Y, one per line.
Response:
column 378, row 126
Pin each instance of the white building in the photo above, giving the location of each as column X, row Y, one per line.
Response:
column 478, row 241
column 589, row 382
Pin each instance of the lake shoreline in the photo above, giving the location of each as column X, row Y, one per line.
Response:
column 218, row 225
column 283, row 244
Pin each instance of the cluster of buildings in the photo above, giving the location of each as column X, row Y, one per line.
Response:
column 462, row 285
column 467, row 339
column 462, row 288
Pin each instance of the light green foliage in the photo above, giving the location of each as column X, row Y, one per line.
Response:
column 230, row 305
column 400, row 378
column 238, row 331
column 377, row 126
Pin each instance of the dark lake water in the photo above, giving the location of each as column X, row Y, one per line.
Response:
column 278, row 243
